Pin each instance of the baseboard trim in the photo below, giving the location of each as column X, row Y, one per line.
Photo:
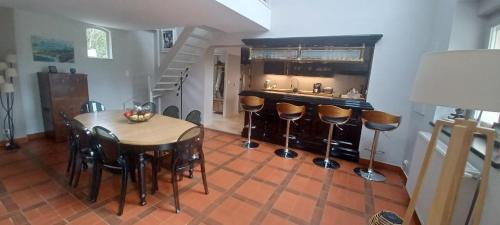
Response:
column 24, row 140
column 36, row 136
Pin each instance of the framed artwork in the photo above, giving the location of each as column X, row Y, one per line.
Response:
column 52, row 50
column 167, row 39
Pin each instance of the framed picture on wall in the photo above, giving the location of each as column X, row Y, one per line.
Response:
column 167, row 39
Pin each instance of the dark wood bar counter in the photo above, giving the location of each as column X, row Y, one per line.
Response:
column 309, row 133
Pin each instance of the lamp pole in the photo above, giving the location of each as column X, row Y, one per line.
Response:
column 7, row 88
column 183, row 78
column 8, row 121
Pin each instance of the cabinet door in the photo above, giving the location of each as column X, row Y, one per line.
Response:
column 60, row 85
column 274, row 68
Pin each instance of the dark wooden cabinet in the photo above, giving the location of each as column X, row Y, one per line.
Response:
column 336, row 58
column 61, row 92
column 309, row 132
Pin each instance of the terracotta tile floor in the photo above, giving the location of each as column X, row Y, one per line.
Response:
column 246, row 187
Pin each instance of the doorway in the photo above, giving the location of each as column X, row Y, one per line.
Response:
column 226, row 86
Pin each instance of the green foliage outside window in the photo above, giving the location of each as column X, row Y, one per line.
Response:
column 97, row 43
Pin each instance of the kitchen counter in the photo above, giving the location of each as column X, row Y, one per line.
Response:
column 309, row 133
column 312, row 98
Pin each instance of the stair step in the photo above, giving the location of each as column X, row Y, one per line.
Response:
column 202, row 38
column 156, row 96
column 165, row 89
column 194, row 46
column 189, row 53
column 175, row 68
column 171, row 76
column 183, row 61
column 166, row 82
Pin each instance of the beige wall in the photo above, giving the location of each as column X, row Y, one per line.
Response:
column 340, row 83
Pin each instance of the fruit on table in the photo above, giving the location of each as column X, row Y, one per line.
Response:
column 127, row 114
column 138, row 114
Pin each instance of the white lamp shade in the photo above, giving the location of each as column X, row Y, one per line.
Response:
column 11, row 58
column 11, row 72
column 7, row 88
column 2, row 80
column 467, row 79
column 3, row 66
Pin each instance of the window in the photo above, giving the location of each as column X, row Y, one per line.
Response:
column 489, row 118
column 98, row 43
column 495, row 37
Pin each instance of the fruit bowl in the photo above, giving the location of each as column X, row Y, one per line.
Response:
column 138, row 114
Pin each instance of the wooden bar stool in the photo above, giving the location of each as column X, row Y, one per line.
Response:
column 379, row 122
column 334, row 116
column 288, row 112
column 251, row 104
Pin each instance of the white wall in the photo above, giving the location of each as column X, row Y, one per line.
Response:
column 406, row 26
column 110, row 81
column 254, row 10
column 467, row 29
column 487, row 7
column 232, row 85
column 489, row 22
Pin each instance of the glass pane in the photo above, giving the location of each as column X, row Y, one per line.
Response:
column 332, row 55
column 490, row 117
column 97, row 43
column 280, row 54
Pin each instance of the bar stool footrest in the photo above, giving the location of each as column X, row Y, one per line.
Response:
column 286, row 154
column 371, row 176
column 249, row 145
column 327, row 164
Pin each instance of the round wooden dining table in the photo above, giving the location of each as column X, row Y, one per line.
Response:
column 158, row 133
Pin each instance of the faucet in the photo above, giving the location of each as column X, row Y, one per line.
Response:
column 294, row 84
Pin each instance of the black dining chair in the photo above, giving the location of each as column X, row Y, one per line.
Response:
column 85, row 154
column 110, row 156
column 72, row 148
column 150, row 106
column 92, row 106
column 194, row 117
column 187, row 153
column 171, row 111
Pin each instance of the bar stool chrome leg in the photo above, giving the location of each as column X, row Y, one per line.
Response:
column 286, row 153
column 249, row 144
column 369, row 173
column 326, row 162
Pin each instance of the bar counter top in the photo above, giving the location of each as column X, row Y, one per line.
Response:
column 310, row 98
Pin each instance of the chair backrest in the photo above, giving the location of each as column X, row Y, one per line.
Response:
column 252, row 103
column 194, row 117
column 83, row 135
column 290, row 111
column 68, row 127
column 107, row 146
column 150, row 106
column 380, row 117
column 188, row 149
column 171, row 111
column 334, row 114
column 91, row 106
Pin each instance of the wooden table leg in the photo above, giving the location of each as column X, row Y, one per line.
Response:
column 142, row 182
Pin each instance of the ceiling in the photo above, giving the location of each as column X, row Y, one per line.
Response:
column 143, row 14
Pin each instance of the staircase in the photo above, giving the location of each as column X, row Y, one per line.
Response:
column 188, row 49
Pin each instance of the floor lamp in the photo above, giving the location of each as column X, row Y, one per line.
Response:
column 467, row 79
column 7, row 89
